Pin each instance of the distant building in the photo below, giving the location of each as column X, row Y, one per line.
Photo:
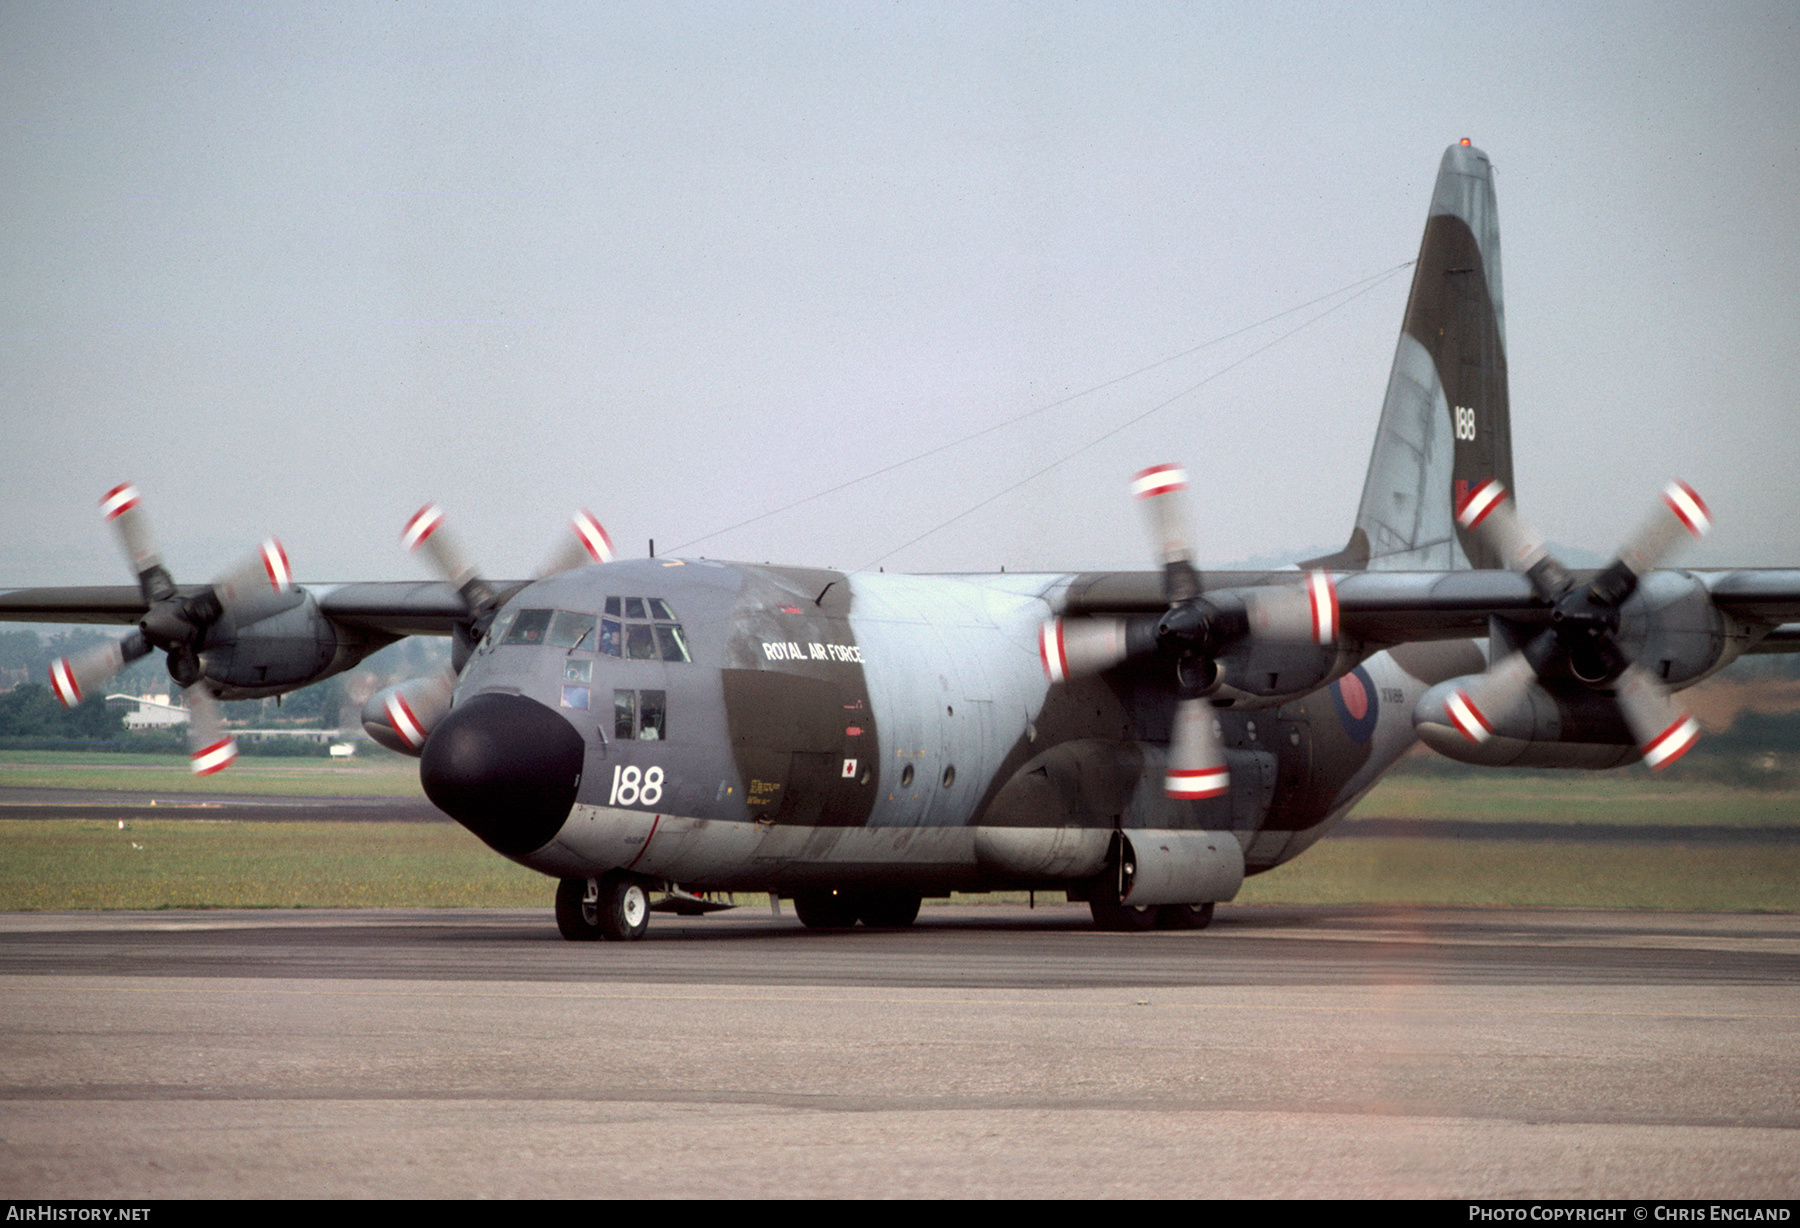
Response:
column 153, row 712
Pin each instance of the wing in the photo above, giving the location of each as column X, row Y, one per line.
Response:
column 1386, row 608
column 392, row 608
column 396, row 607
column 1376, row 607
column 121, row 604
column 1761, row 598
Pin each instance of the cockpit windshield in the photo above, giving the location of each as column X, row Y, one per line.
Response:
column 642, row 629
column 633, row 628
column 553, row 628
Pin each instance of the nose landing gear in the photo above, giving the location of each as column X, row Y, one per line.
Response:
column 614, row 907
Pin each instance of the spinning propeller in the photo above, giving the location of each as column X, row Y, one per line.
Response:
column 253, row 590
column 1582, row 638
column 1196, row 632
column 414, row 708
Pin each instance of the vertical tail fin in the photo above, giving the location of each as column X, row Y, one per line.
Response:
column 1445, row 426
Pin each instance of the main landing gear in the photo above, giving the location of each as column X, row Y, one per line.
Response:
column 614, row 907
column 1126, row 918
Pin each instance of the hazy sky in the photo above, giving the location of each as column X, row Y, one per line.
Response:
column 301, row 268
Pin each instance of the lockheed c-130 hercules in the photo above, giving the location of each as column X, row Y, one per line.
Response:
column 856, row 742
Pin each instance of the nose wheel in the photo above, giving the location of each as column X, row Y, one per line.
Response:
column 612, row 907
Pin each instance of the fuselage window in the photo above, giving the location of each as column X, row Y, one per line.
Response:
column 652, row 716
column 641, row 716
column 642, row 629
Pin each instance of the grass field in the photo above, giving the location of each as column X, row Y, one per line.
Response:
column 1625, row 796
column 188, row 863
column 185, row 863
column 386, row 775
column 1535, row 872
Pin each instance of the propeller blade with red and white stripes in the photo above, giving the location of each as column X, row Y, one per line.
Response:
column 1664, row 731
column 1077, row 647
column 73, row 679
column 1682, row 515
column 258, row 586
column 1296, row 614
column 1156, row 488
column 426, row 533
column 588, row 542
column 1196, row 756
column 1480, row 708
column 131, row 527
column 402, row 717
column 1488, row 510
column 210, row 748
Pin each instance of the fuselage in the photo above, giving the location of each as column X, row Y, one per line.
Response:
column 735, row 727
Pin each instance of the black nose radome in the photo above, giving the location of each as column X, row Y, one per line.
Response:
column 506, row 768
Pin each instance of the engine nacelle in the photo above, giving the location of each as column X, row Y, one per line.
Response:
column 1672, row 628
column 1567, row 728
column 1265, row 674
column 401, row 717
column 280, row 652
column 1292, row 645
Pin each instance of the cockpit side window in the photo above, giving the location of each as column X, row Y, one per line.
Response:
column 528, row 627
column 641, row 716
column 652, row 716
column 497, row 632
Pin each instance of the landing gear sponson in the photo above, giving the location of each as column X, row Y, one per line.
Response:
column 616, row 907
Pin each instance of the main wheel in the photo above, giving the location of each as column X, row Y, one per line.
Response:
column 1184, row 916
column 1122, row 918
column 624, row 908
column 825, row 910
column 576, row 916
column 887, row 909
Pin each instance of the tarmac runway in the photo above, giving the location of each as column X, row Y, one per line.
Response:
column 989, row 1051
column 36, row 803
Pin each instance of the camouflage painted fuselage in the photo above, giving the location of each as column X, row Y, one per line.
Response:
column 835, row 730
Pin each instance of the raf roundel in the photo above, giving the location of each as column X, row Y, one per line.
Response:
column 1355, row 699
